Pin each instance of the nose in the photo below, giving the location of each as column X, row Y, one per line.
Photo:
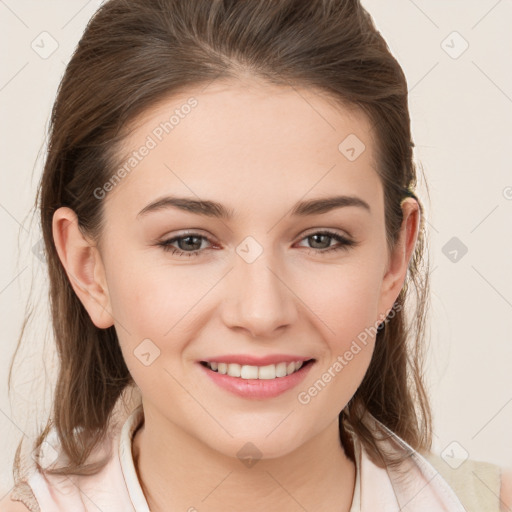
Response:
column 260, row 298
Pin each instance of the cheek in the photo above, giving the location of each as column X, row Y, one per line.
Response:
column 348, row 330
column 345, row 304
column 142, row 306
column 155, row 310
column 150, row 299
column 344, row 297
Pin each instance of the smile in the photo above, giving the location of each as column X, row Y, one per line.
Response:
column 271, row 371
column 269, row 383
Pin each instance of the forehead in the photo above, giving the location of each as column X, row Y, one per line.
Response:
column 248, row 141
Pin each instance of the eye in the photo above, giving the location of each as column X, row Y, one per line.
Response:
column 188, row 241
column 344, row 243
column 193, row 241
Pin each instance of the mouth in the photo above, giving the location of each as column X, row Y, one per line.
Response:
column 256, row 382
column 250, row 372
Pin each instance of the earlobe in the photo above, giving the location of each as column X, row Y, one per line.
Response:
column 83, row 265
column 396, row 271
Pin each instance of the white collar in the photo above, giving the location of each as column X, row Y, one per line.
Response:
column 130, row 426
column 415, row 484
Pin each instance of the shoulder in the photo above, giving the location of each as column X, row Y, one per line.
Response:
column 506, row 489
column 20, row 498
column 480, row 485
column 8, row 505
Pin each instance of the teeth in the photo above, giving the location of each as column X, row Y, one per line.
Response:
column 270, row 371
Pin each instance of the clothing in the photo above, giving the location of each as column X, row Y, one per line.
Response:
column 419, row 484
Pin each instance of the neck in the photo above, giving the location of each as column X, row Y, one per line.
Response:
column 188, row 474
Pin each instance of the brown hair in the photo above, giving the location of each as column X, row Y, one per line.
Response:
column 132, row 55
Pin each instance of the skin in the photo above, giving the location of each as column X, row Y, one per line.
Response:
column 257, row 149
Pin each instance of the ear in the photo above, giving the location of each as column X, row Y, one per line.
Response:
column 83, row 265
column 400, row 257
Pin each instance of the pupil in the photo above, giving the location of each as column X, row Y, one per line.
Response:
column 317, row 236
column 191, row 238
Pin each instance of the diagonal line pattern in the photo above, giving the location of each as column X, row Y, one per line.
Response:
column 425, row 14
column 12, row 280
column 199, row 403
column 492, row 81
column 493, row 210
column 76, row 14
column 311, row 106
column 280, row 422
column 217, row 486
column 104, row 309
column 192, row 307
column 287, row 492
column 11, row 79
column 65, row 476
column 9, row 213
column 485, row 15
column 402, row 507
column 10, row 419
column 424, row 76
column 312, row 187
column 167, row 167
column 492, row 492
column 503, row 407
column 301, row 300
column 3, row 3
column 494, row 288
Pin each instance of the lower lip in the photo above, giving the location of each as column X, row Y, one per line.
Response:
column 258, row 388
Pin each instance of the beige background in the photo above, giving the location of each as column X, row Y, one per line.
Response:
column 461, row 108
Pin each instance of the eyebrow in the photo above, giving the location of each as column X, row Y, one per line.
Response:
column 217, row 210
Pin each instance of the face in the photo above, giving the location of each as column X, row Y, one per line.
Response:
column 185, row 285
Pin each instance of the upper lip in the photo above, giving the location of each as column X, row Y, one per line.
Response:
column 256, row 361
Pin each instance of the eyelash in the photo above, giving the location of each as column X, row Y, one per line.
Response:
column 345, row 243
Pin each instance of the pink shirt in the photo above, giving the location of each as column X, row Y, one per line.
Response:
column 416, row 483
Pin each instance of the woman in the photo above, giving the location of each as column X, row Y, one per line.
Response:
column 231, row 230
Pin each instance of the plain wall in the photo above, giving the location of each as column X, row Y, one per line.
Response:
column 461, row 109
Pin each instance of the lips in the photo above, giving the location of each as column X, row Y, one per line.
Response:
column 245, row 359
column 258, row 389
